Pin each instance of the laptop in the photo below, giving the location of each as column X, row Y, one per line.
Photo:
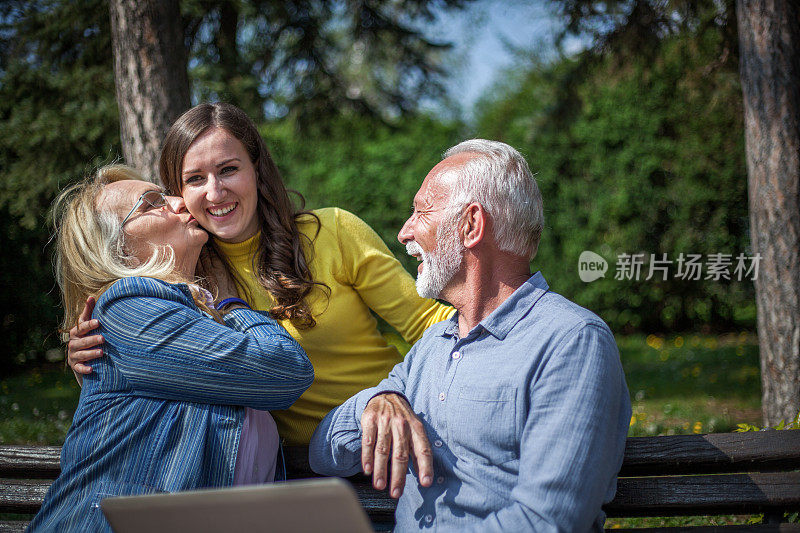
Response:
column 312, row 505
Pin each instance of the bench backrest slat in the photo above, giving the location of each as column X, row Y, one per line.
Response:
column 756, row 455
column 30, row 461
column 706, row 495
column 13, row 526
column 759, row 451
column 22, row 495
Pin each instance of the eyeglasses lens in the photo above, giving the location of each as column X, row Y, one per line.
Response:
column 154, row 199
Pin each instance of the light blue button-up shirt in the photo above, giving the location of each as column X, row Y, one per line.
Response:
column 527, row 418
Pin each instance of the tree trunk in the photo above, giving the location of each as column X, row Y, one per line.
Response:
column 152, row 83
column 769, row 40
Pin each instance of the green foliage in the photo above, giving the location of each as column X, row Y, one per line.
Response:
column 317, row 58
column 637, row 153
column 793, row 424
column 638, row 148
column 365, row 167
column 59, row 116
column 56, row 100
column 40, row 418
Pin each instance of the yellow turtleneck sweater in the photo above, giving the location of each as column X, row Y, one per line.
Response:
column 345, row 347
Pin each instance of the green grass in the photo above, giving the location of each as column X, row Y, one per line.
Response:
column 691, row 384
column 678, row 385
column 679, row 521
column 36, row 407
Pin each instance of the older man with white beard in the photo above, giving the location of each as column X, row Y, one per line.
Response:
column 521, row 393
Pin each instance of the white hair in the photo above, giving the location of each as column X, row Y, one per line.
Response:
column 500, row 180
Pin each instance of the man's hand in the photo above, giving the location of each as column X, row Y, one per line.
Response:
column 81, row 348
column 389, row 425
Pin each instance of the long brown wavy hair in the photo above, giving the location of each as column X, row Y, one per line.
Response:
column 280, row 263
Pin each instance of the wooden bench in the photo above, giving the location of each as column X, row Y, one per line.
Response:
column 682, row 475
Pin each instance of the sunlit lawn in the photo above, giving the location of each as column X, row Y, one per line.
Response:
column 691, row 384
column 678, row 385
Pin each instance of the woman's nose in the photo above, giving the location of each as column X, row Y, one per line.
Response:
column 215, row 193
column 176, row 204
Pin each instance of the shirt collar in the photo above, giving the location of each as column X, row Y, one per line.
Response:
column 511, row 311
column 451, row 329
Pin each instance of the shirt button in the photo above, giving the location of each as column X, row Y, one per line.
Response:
column 429, row 518
column 440, row 480
column 456, row 355
column 442, row 396
column 438, row 443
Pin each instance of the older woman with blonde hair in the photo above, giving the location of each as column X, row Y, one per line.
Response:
column 180, row 401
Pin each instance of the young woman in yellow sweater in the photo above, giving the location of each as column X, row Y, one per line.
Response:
column 317, row 272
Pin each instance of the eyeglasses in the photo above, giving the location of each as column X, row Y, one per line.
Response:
column 151, row 198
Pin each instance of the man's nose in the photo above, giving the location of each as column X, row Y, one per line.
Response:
column 405, row 233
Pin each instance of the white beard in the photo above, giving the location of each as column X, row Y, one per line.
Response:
column 439, row 265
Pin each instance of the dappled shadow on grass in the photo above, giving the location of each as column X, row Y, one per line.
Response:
column 36, row 407
column 692, row 383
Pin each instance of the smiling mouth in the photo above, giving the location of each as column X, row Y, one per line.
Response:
column 421, row 260
column 222, row 211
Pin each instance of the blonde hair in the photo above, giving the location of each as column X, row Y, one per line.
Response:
column 90, row 246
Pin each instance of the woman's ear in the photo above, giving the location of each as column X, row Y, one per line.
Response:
column 473, row 224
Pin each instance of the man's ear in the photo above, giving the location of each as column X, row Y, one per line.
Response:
column 473, row 225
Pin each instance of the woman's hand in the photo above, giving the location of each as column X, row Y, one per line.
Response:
column 81, row 348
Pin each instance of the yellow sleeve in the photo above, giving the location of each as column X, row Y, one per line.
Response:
column 382, row 282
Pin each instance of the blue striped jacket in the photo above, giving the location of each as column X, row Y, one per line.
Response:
column 163, row 410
